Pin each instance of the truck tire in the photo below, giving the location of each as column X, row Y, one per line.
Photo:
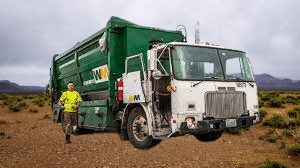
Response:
column 137, row 129
column 209, row 137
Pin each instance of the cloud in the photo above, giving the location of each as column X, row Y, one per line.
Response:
column 31, row 75
column 31, row 32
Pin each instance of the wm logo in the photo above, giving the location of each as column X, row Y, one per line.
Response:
column 134, row 98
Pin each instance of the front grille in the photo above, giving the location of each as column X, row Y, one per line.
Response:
column 225, row 104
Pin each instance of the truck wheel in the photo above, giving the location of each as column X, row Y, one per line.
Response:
column 209, row 137
column 137, row 129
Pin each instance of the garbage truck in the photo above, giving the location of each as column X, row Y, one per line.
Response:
column 149, row 84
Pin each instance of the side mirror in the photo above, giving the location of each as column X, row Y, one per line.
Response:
column 156, row 74
column 152, row 62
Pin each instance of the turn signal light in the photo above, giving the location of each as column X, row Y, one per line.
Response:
column 170, row 88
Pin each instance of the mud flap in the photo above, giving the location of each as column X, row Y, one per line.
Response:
column 56, row 114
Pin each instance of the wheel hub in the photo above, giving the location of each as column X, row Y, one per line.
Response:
column 140, row 128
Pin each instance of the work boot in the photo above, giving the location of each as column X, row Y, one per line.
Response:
column 68, row 139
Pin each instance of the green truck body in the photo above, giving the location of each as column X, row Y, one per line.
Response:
column 98, row 86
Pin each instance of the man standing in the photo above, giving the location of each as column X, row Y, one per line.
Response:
column 71, row 100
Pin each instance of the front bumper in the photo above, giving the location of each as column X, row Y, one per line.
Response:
column 215, row 125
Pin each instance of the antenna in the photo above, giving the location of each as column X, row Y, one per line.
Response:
column 197, row 33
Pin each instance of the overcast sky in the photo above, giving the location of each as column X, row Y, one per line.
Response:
column 32, row 31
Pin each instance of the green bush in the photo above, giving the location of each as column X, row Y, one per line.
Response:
column 293, row 113
column 282, row 92
column 25, row 96
column 263, row 113
column 272, row 164
column 297, row 109
column 38, row 101
column 22, row 104
column 294, row 123
column 41, row 104
column 30, row 97
column 2, row 133
column 287, row 132
column 19, row 99
column 261, row 103
column 275, row 102
column 47, row 115
column 236, row 131
column 276, row 121
column 4, row 96
column 273, row 138
column 33, row 110
column 268, row 96
column 14, row 108
column 295, row 149
column 260, row 93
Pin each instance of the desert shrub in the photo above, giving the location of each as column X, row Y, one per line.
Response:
column 297, row 109
column 261, row 103
column 273, row 138
column 282, row 92
column 287, row 132
column 14, row 108
column 33, row 110
column 19, row 99
column 291, row 97
column 18, row 121
column 2, row 133
column 30, row 97
column 25, row 96
column 263, row 113
column 272, row 164
column 276, row 121
column 260, row 93
column 10, row 100
column 275, row 102
column 37, row 101
column 47, row 115
column 293, row 113
column 294, row 123
column 236, row 131
column 295, row 149
column 4, row 96
column 22, row 104
column 41, row 104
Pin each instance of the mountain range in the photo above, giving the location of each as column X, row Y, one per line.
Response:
column 264, row 82
column 269, row 82
column 7, row 86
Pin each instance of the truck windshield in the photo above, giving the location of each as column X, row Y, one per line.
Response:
column 201, row 63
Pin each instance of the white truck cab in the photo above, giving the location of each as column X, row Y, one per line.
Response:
column 198, row 89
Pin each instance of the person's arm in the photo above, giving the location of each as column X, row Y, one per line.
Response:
column 78, row 101
column 59, row 103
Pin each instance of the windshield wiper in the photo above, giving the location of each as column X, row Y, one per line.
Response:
column 237, row 79
column 212, row 77
column 196, row 84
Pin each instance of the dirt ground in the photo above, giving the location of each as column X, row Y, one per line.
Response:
column 33, row 141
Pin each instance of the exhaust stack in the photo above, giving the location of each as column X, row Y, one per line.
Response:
column 197, row 33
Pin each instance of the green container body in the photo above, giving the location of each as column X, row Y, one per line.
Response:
column 123, row 39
